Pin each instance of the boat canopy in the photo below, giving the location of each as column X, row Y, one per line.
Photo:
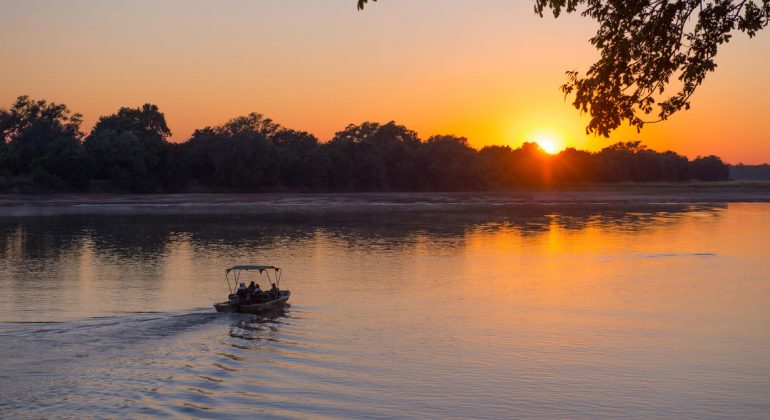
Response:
column 259, row 268
column 263, row 269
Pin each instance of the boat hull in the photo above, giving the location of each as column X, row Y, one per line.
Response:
column 254, row 308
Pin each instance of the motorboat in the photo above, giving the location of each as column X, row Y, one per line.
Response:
column 268, row 297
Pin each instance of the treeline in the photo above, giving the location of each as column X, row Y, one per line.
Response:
column 741, row 172
column 44, row 149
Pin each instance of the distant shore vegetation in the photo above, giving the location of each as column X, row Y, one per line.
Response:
column 44, row 150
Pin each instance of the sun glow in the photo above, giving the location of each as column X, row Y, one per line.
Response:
column 548, row 140
column 548, row 146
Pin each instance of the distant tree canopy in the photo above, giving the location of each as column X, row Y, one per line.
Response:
column 643, row 45
column 750, row 172
column 42, row 149
column 42, row 141
column 128, row 149
column 236, row 154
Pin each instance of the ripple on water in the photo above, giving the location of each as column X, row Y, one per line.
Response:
column 182, row 364
column 597, row 313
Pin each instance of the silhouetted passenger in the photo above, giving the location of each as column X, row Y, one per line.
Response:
column 250, row 292
column 242, row 291
column 257, row 292
column 275, row 292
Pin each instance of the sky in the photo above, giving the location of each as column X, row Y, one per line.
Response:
column 486, row 70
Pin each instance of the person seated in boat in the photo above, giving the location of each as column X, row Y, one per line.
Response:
column 253, row 293
column 275, row 292
column 242, row 291
column 251, row 289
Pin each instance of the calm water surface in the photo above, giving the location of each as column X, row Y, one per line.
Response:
column 604, row 311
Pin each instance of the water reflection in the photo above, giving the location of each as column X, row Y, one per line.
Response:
column 550, row 311
column 88, row 266
column 148, row 238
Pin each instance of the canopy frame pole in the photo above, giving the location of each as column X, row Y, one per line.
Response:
column 227, row 277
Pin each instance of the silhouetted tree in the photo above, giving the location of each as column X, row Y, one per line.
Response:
column 302, row 163
column 339, row 176
column 449, row 164
column 174, row 171
column 643, row 44
column 750, row 172
column 147, row 123
column 129, row 149
column 572, row 166
column 633, row 161
column 237, row 154
column 377, row 157
column 42, row 140
column 66, row 162
column 709, row 168
column 532, row 166
column 498, row 165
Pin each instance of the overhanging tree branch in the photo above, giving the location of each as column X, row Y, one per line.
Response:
column 643, row 44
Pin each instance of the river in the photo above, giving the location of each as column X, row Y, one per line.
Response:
column 543, row 311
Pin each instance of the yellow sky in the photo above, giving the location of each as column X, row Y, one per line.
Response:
column 489, row 71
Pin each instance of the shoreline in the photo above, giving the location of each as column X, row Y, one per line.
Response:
column 20, row 205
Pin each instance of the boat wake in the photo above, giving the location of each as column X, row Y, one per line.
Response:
column 254, row 328
column 196, row 364
column 39, row 357
column 121, row 328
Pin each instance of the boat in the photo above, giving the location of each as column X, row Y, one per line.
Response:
column 269, row 299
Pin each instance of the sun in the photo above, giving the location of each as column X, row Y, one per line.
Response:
column 548, row 145
column 550, row 140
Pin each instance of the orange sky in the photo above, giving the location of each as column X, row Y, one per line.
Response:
column 489, row 71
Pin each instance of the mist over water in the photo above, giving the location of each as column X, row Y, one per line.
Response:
column 538, row 311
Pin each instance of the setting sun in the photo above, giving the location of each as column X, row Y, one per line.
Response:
column 549, row 140
column 548, row 146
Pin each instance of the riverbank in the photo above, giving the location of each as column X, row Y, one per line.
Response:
column 19, row 205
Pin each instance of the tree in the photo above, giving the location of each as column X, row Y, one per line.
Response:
column 382, row 156
column 31, row 126
column 236, row 154
column 644, row 45
column 41, row 141
column 709, row 168
column 66, row 162
column 122, row 159
column 572, row 166
column 633, row 161
column 498, row 165
column 450, row 164
column 301, row 162
column 129, row 149
column 250, row 125
column 147, row 123
column 532, row 166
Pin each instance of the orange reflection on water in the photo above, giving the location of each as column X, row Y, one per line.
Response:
column 549, row 311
